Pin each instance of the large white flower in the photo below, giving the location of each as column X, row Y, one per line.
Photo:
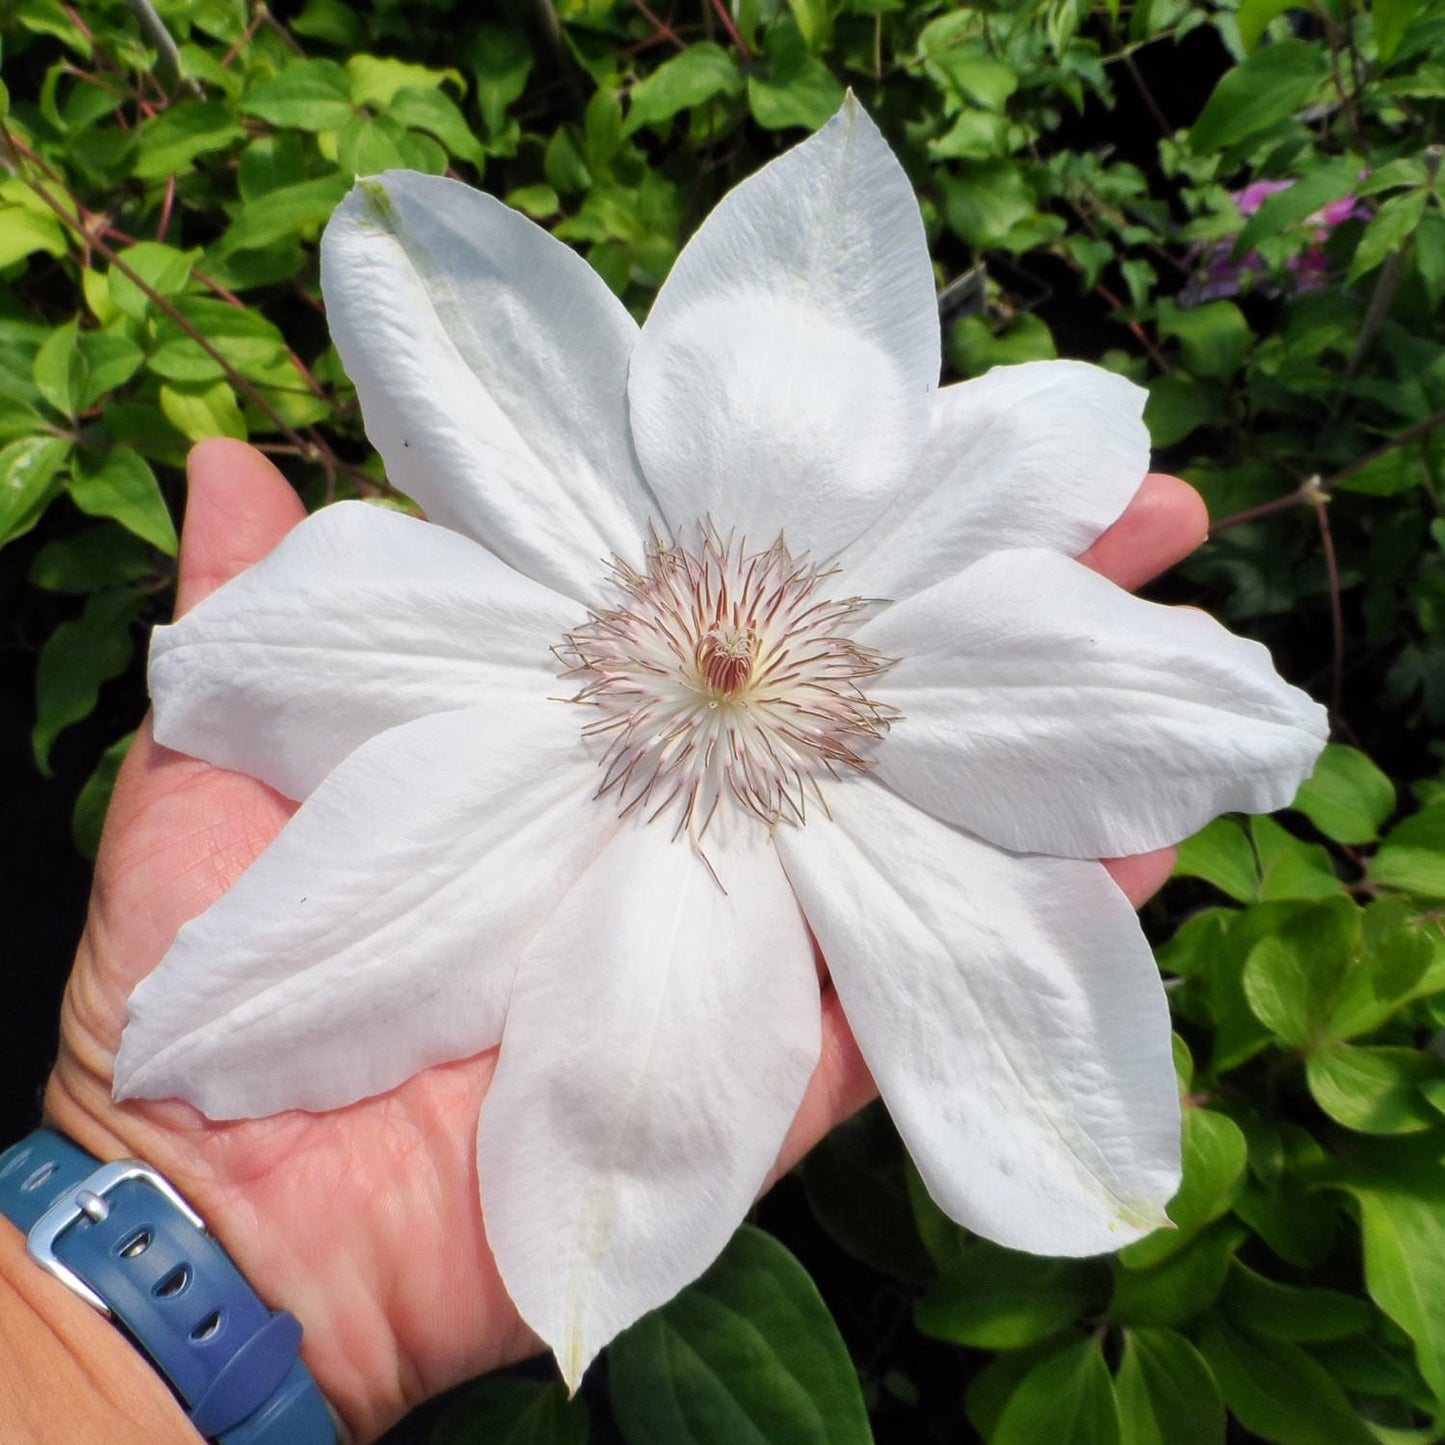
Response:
column 589, row 809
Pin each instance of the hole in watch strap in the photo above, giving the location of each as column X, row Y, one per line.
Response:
column 134, row 1244
column 209, row 1327
column 173, row 1283
column 40, row 1176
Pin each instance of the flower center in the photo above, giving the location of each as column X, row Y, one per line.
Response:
column 726, row 674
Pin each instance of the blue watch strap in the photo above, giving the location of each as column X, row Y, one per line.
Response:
column 121, row 1238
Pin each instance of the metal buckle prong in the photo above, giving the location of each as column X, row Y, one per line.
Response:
column 71, row 1207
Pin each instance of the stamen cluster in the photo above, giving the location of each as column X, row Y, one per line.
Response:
column 725, row 673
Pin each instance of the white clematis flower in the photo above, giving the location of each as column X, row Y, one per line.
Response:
column 589, row 811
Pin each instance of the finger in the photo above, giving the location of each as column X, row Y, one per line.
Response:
column 1143, row 875
column 238, row 507
column 840, row 1086
column 1164, row 523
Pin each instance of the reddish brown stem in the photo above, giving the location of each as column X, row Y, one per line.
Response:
column 720, row 6
column 661, row 29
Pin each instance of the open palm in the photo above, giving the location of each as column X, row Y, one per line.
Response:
column 364, row 1221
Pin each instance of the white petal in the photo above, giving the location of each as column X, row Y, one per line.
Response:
column 1011, row 1013
column 360, row 620
column 1049, row 711
column 491, row 362
column 378, row 934
column 785, row 376
column 660, row 1038
column 1047, row 454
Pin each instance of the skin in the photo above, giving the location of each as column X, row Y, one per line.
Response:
column 364, row 1221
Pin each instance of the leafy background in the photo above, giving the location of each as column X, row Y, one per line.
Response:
column 164, row 175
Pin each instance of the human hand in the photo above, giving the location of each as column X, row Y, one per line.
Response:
column 363, row 1221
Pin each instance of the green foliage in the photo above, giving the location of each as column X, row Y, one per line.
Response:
column 748, row 1353
column 158, row 285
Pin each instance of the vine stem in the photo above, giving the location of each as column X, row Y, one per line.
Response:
column 1314, row 491
column 1319, row 500
column 733, row 33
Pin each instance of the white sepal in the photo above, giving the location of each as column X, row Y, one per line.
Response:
column 660, row 1037
column 1049, row 711
column 361, row 619
column 378, row 934
column 784, row 379
column 1046, row 454
column 491, row 363
column 1011, row 1013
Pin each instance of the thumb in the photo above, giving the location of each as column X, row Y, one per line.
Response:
column 238, row 507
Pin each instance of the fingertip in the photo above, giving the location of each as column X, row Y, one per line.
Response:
column 1164, row 523
column 1143, row 875
column 238, row 507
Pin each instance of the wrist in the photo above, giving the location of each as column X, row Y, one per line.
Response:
column 246, row 1285
column 65, row 1374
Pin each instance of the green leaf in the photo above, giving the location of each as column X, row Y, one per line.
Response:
column 377, row 80
column 198, row 412
column 814, row 21
column 1393, row 19
column 309, row 95
column 1215, row 337
column 1067, row 1397
column 99, row 556
column 1277, row 1391
column 1288, row 208
column 1221, row 853
column 857, row 1184
column 501, row 59
column 437, row 115
column 538, row 202
column 28, row 481
column 973, row 347
column 1214, row 1157
column 164, row 269
column 246, row 340
column 692, row 78
column 1429, row 255
column 987, row 201
column 1374, row 1090
column 1347, row 798
column 1391, row 228
column 111, row 359
column 1253, row 18
column 1285, row 1312
column 503, row 1411
column 997, row 1299
column 1264, row 89
column 80, row 656
column 1398, row 946
column 60, row 369
column 1166, row 1393
column 168, row 143
column 27, row 225
column 1401, row 1196
column 798, row 89
column 1293, row 975
column 88, row 817
column 1177, row 407
column 123, row 487
column 746, row 1356
column 332, row 21
column 1180, row 1287
column 1412, row 857
column 1291, row 868
column 285, row 214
